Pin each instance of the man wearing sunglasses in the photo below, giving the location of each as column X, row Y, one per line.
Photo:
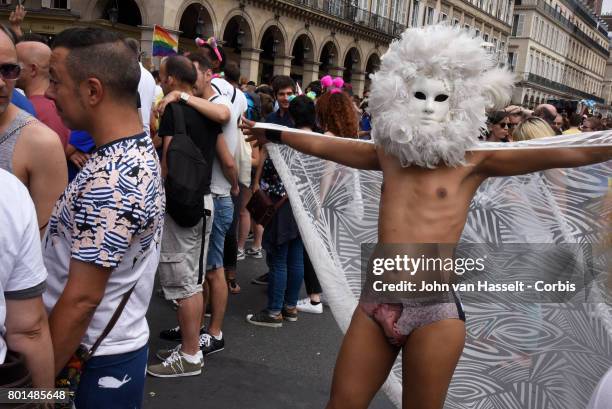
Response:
column 28, row 149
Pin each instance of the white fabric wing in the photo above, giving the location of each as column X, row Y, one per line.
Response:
column 569, row 346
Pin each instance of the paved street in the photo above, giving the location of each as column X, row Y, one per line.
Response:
column 272, row 368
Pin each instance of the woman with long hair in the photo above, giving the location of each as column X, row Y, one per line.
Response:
column 336, row 115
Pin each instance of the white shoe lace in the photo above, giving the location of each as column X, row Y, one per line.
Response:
column 174, row 358
column 303, row 301
column 205, row 340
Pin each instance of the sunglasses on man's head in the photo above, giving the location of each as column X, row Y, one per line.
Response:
column 10, row 71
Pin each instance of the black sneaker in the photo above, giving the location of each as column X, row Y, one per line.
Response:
column 210, row 345
column 261, row 280
column 290, row 314
column 174, row 334
column 264, row 319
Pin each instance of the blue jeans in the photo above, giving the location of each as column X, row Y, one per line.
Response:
column 113, row 381
column 286, row 263
column 224, row 214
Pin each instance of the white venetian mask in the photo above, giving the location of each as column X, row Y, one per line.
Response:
column 429, row 102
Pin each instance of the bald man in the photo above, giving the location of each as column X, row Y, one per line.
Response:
column 28, row 149
column 34, row 80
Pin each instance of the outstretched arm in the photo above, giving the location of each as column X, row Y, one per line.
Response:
column 348, row 152
column 521, row 161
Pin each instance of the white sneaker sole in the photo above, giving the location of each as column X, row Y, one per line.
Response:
column 309, row 310
column 264, row 324
column 176, row 375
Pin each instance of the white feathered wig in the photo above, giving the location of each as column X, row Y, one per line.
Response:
column 449, row 54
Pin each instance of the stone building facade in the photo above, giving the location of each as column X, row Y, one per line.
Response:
column 302, row 38
column 559, row 50
column 489, row 19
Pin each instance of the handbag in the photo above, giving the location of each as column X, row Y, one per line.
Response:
column 14, row 372
column 70, row 376
column 262, row 208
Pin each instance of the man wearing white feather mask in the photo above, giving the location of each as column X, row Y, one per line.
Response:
column 428, row 103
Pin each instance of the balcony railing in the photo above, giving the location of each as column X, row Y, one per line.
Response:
column 344, row 10
column 556, row 15
column 536, row 79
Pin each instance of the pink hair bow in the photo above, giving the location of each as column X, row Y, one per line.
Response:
column 212, row 43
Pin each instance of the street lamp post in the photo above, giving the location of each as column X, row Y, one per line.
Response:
column 113, row 14
column 200, row 24
column 240, row 39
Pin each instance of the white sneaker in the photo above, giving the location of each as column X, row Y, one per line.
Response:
column 176, row 365
column 240, row 256
column 304, row 305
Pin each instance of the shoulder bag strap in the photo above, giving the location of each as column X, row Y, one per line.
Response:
column 207, row 213
column 111, row 323
column 179, row 120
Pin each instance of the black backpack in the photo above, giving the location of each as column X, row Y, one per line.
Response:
column 187, row 175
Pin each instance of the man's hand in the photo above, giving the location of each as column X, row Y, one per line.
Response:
column 235, row 190
column 253, row 134
column 79, row 158
column 174, row 96
column 16, row 18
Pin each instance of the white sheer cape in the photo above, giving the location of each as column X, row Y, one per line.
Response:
column 569, row 345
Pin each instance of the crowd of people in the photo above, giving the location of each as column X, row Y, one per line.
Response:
column 515, row 123
column 86, row 151
column 113, row 175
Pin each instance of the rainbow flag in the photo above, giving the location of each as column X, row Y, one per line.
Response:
column 163, row 43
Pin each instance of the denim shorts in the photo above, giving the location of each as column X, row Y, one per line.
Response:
column 224, row 214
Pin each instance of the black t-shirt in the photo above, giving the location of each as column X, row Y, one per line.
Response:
column 202, row 131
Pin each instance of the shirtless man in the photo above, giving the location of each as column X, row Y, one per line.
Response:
column 28, row 149
column 430, row 177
